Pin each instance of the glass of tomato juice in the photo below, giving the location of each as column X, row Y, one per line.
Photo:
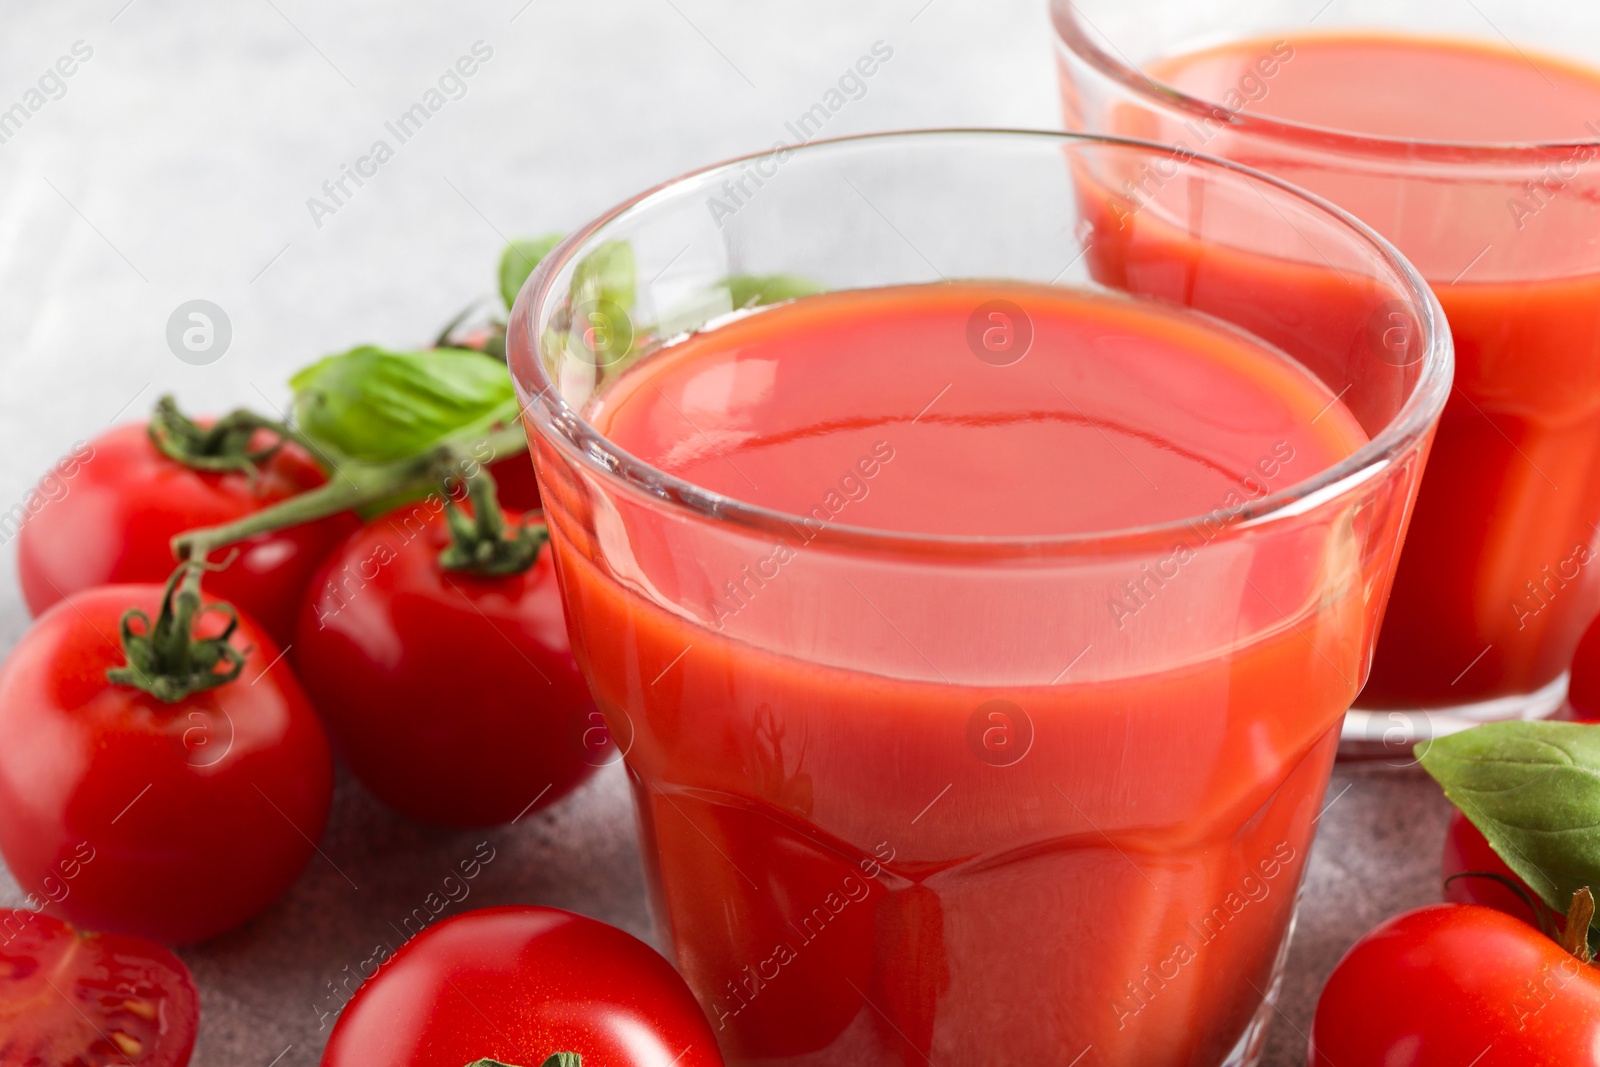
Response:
column 975, row 575
column 1469, row 135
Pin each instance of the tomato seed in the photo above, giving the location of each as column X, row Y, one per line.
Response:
column 130, row 1046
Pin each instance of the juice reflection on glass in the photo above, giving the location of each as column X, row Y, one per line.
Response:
column 1481, row 161
column 978, row 647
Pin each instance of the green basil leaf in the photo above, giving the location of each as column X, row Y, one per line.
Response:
column 755, row 290
column 605, row 274
column 518, row 261
column 564, row 1059
column 737, row 292
column 374, row 405
column 1533, row 790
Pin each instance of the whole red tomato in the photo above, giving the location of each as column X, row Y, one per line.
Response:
column 68, row 997
column 1475, row 874
column 453, row 697
column 126, row 813
column 107, row 514
column 519, row 985
column 1583, row 694
column 1457, row 984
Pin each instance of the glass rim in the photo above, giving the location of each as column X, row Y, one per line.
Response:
column 1069, row 26
column 540, row 397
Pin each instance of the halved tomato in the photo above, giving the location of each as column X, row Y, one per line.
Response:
column 69, row 998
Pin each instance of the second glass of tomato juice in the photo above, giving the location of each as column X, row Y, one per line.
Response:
column 977, row 627
column 1454, row 129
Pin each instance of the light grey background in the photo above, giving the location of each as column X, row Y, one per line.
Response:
column 177, row 166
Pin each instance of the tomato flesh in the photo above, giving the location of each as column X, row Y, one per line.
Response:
column 75, row 999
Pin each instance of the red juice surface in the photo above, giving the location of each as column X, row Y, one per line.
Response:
column 1131, row 427
column 939, row 829
column 1494, row 588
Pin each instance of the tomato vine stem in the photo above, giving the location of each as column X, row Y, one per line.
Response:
column 224, row 446
column 352, row 486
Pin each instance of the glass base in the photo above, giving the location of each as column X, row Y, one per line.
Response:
column 1389, row 734
column 1247, row 1053
column 1252, row 1043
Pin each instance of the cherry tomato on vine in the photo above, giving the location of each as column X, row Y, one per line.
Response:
column 169, row 803
column 107, row 516
column 1474, row 874
column 68, row 997
column 1458, row 984
column 519, row 985
column 452, row 695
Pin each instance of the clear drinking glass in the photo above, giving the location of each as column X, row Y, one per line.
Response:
column 1494, row 588
column 937, row 797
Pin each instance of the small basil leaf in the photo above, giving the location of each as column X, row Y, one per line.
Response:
column 755, row 290
column 1533, row 790
column 488, row 1063
column 737, row 292
column 374, row 405
column 606, row 274
column 518, row 261
column 564, row 1059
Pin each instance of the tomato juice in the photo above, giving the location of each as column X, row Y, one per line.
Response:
column 1495, row 586
column 971, row 819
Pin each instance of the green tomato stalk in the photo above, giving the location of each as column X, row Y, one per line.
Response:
column 225, row 446
column 1580, row 916
column 481, row 544
column 164, row 657
column 355, row 486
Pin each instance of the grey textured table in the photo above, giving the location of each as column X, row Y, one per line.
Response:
column 177, row 163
